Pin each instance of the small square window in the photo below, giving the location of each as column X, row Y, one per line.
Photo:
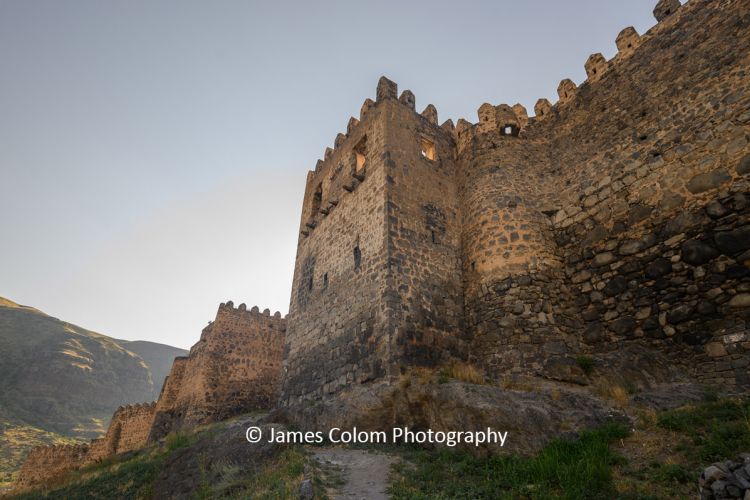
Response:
column 427, row 149
column 360, row 158
column 360, row 161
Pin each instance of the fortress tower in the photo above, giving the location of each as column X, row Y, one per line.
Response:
column 613, row 223
column 377, row 281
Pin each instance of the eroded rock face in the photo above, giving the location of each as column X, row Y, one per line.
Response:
column 531, row 418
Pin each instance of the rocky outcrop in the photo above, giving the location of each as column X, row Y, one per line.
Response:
column 532, row 416
column 726, row 480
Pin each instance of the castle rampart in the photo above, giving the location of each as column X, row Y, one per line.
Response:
column 561, row 234
column 614, row 223
column 47, row 464
column 234, row 368
column 655, row 173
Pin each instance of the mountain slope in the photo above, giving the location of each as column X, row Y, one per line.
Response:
column 58, row 380
column 158, row 358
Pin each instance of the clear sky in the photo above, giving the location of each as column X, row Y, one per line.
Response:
column 153, row 153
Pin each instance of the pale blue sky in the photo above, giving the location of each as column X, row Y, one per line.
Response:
column 153, row 153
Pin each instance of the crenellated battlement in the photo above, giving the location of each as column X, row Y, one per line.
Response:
column 234, row 368
column 615, row 220
column 345, row 166
column 227, row 308
column 492, row 215
column 667, row 13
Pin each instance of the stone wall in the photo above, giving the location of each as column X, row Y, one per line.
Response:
column 128, row 430
column 612, row 222
column 424, row 297
column 47, row 464
column 234, row 368
column 653, row 220
column 377, row 281
column 338, row 281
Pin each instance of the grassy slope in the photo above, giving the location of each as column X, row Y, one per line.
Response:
column 58, row 379
column 611, row 462
column 661, row 458
column 135, row 475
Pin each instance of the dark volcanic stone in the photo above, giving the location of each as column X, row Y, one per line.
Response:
column 705, row 308
column 695, row 337
column 695, row 252
column 651, row 323
column 679, row 314
column 638, row 212
column 615, row 286
column 743, row 168
column 732, row 242
column 590, row 314
column 623, row 326
column 593, row 333
column 716, row 210
column 658, row 268
column 737, row 272
column 682, row 223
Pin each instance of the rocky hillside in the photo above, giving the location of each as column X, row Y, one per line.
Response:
column 62, row 381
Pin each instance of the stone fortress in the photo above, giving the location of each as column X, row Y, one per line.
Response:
column 234, row 368
column 613, row 224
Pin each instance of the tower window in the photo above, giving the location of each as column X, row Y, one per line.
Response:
column 325, row 280
column 360, row 152
column 511, row 130
column 310, row 283
column 317, row 199
column 427, row 149
column 357, row 257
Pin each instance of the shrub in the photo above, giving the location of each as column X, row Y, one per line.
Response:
column 464, row 372
column 586, row 363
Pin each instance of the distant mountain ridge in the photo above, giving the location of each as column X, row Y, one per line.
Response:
column 58, row 380
column 158, row 358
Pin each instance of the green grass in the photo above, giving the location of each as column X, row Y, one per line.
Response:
column 682, row 442
column 133, row 478
column 585, row 468
column 574, row 469
column 278, row 479
column 711, row 431
column 586, row 363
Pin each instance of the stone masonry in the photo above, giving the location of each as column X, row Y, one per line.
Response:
column 614, row 221
column 234, row 368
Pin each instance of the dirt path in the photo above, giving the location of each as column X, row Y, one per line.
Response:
column 364, row 473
